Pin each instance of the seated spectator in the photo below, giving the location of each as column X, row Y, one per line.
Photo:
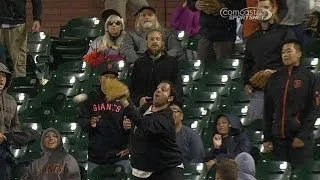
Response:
column 56, row 163
column 228, row 140
column 188, row 140
column 227, row 169
column 103, row 120
column 247, row 167
column 134, row 43
column 152, row 68
column 107, row 46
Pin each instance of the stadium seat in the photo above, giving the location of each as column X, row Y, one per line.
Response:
column 34, row 151
column 310, row 171
column 187, row 83
column 108, row 172
column 193, row 43
column 215, row 83
column 196, row 112
column 71, row 130
column 79, row 69
column 270, row 170
column 121, row 66
column 64, row 50
column 28, row 85
column 256, row 137
column 38, row 44
column 311, row 63
column 209, row 100
column 22, row 100
column 194, row 68
column 231, row 67
column 191, row 55
column 81, row 32
column 18, row 171
column 195, row 124
column 194, row 171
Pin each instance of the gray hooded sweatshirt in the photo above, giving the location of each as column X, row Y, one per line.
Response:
column 56, row 164
column 9, row 121
column 247, row 168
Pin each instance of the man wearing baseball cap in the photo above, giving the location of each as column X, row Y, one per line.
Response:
column 107, row 127
column 9, row 121
column 134, row 43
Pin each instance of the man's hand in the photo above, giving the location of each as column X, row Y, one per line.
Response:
column 248, row 89
column 297, row 143
column 268, row 147
column 123, row 153
column 143, row 100
column 36, row 26
column 126, row 123
column 94, row 121
column 2, row 138
column 211, row 163
column 217, row 141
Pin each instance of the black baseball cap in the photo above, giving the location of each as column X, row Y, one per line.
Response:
column 107, row 13
column 110, row 70
column 143, row 8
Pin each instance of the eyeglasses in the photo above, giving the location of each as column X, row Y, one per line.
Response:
column 110, row 23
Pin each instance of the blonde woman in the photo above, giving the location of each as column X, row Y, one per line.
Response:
column 108, row 44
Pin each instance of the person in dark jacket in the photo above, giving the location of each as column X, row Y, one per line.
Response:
column 9, row 121
column 155, row 66
column 13, row 32
column 292, row 105
column 108, row 138
column 228, row 140
column 56, row 163
column 263, row 53
column 155, row 153
column 217, row 33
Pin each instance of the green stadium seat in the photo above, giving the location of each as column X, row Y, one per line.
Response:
column 28, row 85
column 35, row 126
column 195, row 171
column 68, row 85
column 121, row 66
column 194, row 68
column 70, row 130
column 270, row 170
column 108, row 172
column 231, row 67
column 215, row 83
column 34, row 151
column 256, row 137
column 70, row 112
column 193, row 43
column 226, row 104
column 311, row 171
column 22, row 100
column 195, row 124
column 195, row 112
column 18, row 171
column 42, row 115
column 311, row 63
column 208, row 100
column 64, row 50
column 81, row 32
column 187, row 83
column 85, row 22
column 79, row 69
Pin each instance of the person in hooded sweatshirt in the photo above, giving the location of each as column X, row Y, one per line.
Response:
column 246, row 166
column 9, row 121
column 228, row 140
column 56, row 163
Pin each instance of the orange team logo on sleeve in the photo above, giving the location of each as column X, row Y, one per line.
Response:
column 297, row 83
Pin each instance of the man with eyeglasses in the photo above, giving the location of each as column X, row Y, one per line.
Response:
column 107, row 127
column 134, row 43
column 188, row 140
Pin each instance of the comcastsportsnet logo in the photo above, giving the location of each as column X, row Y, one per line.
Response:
column 250, row 13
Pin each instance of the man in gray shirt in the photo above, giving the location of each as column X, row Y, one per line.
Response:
column 188, row 140
column 134, row 44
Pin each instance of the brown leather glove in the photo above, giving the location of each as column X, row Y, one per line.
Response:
column 114, row 89
column 260, row 79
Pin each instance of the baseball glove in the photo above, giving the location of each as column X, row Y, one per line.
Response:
column 211, row 7
column 114, row 89
column 260, row 79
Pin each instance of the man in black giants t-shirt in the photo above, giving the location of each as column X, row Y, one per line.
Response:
column 108, row 137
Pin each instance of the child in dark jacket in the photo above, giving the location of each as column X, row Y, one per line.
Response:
column 228, row 140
